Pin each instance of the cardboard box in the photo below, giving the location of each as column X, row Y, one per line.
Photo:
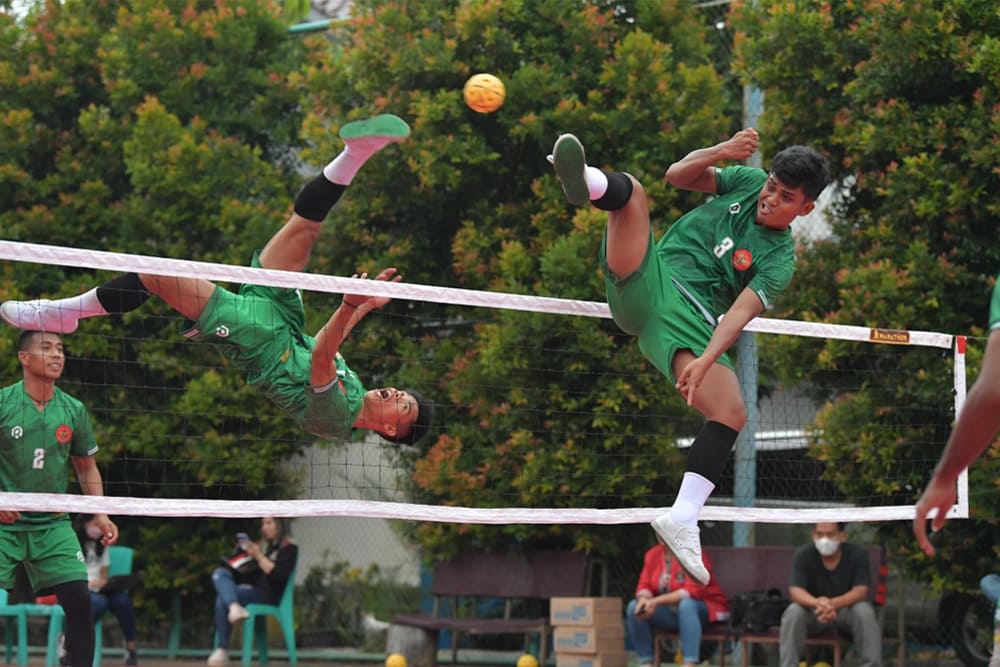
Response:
column 589, row 639
column 592, row 659
column 585, row 611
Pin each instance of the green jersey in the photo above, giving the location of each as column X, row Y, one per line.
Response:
column 995, row 307
column 36, row 446
column 260, row 331
column 717, row 250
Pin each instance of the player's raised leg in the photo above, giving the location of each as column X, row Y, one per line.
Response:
column 119, row 295
column 618, row 193
column 290, row 247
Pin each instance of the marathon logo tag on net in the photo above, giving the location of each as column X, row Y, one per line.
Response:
column 889, row 336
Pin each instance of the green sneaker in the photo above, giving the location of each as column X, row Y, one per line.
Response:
column 385, row 126
column 569, row 162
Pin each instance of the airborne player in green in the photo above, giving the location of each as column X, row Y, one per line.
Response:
column 688, row 297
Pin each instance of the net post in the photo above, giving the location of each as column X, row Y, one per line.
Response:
column 961, row 508
column 745, row 456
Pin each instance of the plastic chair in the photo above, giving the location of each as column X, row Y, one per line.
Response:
column 256, row 624
column 120, row 563
column 56, row 622
column 14, row 613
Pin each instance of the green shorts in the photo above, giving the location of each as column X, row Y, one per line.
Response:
column 260, row 329
column 51, row 555
column 649, row 305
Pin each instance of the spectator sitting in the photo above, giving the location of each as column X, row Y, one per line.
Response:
column 264, row 582
column 667, row 599
column 102, row 597
column 829, row 586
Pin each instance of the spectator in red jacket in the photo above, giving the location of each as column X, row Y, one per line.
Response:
column 666, row 599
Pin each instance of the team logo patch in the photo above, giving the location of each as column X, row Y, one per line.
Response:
column 734, row 208
column 222, row 331
column 16, row 432
column 742, row 259
column 64, row 434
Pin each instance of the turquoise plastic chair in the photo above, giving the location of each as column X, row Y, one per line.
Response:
column 56, row 618
column 14, row 613
column 120, row 563
column 256, row 624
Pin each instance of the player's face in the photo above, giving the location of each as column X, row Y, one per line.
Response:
column 779, row 204
column 395, row 409
column 43, row 358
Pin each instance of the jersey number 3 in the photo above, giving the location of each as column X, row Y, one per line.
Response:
column 725, row 246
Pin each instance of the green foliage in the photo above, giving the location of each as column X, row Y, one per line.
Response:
column 162, row 128
column 334, row 595
column 902, row 98
column 542, row 411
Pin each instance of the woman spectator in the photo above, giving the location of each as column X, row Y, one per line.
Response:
column 272, row 562
column 667, row 599
column 102, row 596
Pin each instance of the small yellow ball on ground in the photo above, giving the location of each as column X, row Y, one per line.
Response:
column 527, row 660
column 395, row 660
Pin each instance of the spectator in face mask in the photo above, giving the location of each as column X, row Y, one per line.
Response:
column 829, row 587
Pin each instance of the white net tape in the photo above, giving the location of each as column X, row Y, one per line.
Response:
column 83, row 258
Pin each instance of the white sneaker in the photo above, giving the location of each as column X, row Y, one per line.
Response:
column 220, row 656
column 237, row 613
column 38, row 315
column 685, row 544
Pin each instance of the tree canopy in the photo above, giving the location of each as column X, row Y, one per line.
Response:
column 183, row 128
column 903, row 96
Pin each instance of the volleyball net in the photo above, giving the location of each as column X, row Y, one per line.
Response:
column 522, row 435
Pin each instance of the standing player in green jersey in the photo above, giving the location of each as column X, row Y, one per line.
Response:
column 42, row 429
column 688, row 297
column 260, row 328
column 975, row 430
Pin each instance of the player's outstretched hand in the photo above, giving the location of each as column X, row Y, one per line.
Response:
column 9, row 516
column 940, row 495
column 743, row 144
column 366, row 303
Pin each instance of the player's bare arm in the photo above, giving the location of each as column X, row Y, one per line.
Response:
column 695, row 171
column 352, row 310
column 92, row 484
column 975, row 430
column 746, row 307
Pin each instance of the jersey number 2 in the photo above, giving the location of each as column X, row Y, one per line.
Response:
column 39, row 461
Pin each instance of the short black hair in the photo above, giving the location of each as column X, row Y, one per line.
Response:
column 419, row 428
column 26, row 339
column 802, row 167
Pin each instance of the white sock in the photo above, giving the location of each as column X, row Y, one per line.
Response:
column 691, row 497
column 345, row 166
column 82, row 305
column 597, row 182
